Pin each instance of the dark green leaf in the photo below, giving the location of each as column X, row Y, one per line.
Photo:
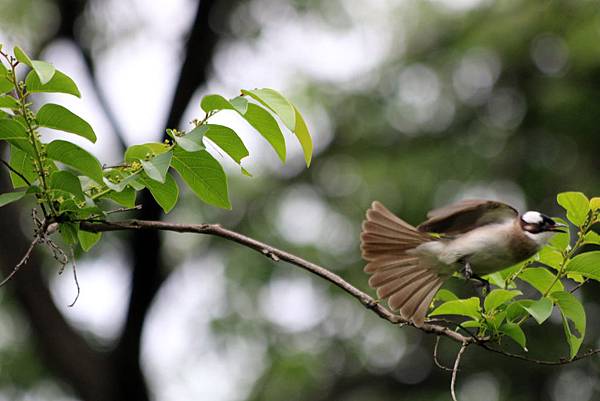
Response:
column 75, row 157
column 515, row 332
column 576, row 204
column 463, row 307
column 157, row 167
column 266, row 125
column 10, row 197
column 204, row 175
column 541, row 279
column 165, row 194
column 276, row 103
column 587, row 264
column 69, row 232
column 88, row 239
column 540, row 309
column 573, row 316
column 124, row 198
column 228, row 140
column 499, row 297
column 65, row 182
column 192, row 141
column 15, row 133
column 60, row 83
column 57, row 117
column 445, row 295
column 5, row 85
column 22, row 162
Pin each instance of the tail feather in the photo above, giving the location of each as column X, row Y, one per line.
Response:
column 399, row 275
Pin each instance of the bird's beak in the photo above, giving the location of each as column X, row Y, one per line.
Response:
column 558, row 227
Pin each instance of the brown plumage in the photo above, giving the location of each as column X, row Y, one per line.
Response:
column 404, row 279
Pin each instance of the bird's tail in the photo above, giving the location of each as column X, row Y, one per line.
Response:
column 398, row 274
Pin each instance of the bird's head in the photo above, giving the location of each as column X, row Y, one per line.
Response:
column 540, row 227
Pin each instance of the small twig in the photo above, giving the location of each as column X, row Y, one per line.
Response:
column 11, row 168
column 435, row 356
column 124, row 209
column 75, row 278
column 455, row 369
column 561, row 361
column 578, row 286
column 23, row 261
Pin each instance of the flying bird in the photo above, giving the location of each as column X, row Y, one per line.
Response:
column 408, row 264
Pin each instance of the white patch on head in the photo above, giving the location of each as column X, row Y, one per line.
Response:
column 532, row 217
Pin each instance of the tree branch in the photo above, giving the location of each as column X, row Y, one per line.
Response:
column 275, row 255
column 455, row 370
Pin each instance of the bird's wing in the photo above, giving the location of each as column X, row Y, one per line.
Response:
column 466, row 215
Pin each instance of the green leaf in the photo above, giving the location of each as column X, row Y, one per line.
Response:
column 301, row 132
column 550, row 257
column 445, row 295
column 3, row 69
column 541, row 279
column 5, row 85
column 13, row 132
column 192, row 141
column 204, row 175
column 215, row 102
column 88, row 239
column 499, row 297
column 60, row 83
column 587, row 264
column 227, row 140
column 22, row 56
column 8, row 102
column 157, row 167
column 10, row 197
column 45, row 71
column 57, row 117
column 515, row 332
column 577, row 206
column 276, row 103
column 239, row 104
column 266, row 125
column 463, row 307
column 75, row 157
column 65, row 182
column 69, row 232
column 165, row 194
column 124, row 198
column 595, row 203
column 22, row 162
column 516, row 310
column 118, row 181
column 145, row 151
column 561, row 240
column 573, row 316
column 540, row 309
column 592, row 237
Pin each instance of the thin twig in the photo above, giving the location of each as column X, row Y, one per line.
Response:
column 23, row 261
column 455, row 369
column 561, row 361
column 124, row 209
column 75, row 278
column 435, row 356
column 578, row 286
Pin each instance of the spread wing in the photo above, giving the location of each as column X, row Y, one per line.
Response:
column 466, row 215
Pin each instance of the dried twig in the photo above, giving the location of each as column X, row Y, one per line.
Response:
column 23, row 260
column 455, row 369
column 75, row 278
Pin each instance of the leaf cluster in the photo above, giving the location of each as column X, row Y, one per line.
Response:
column 71, row 185
column 564, row 263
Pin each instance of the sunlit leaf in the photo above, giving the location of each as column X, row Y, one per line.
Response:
column 21, row 56
column 278, row 104
column 45, row 71
column 587, row 264
column 541, row 279
column 301, row 132
column 445, row 295
column 266, row 125
column 463, row 307
column 57, row 117
column 88, row 239
column 60, row 83
column 145, row 151
column 192, row 141
column 499, row 297
column 227, row 140
column 157, row 167
column 75, row 157
column 5, row 85
column 8, row 102
column 515, row 332
column 540, row 310
column 576, row 204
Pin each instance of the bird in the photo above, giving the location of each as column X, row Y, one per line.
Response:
column 408, row 264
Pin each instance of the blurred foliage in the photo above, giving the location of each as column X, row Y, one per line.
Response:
column 498, row 100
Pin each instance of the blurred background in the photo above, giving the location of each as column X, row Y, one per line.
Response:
column 413, row 103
